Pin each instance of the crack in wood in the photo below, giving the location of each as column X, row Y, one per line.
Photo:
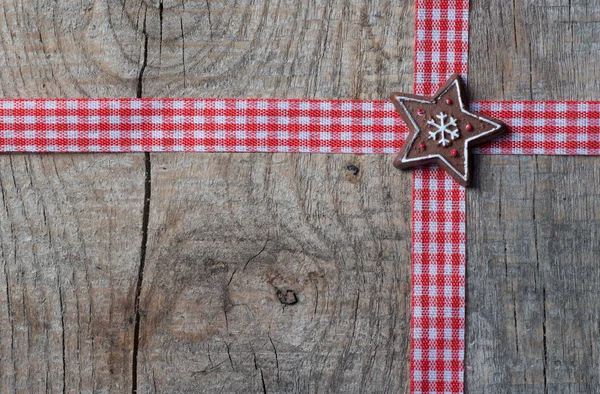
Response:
column 545, row 363
column 140, row 279
column 145, row 221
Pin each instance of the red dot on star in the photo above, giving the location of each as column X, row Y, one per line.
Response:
column 422, row 146
column 421, row 112
column 469, row 127
column 454, row 153
column 449, row 102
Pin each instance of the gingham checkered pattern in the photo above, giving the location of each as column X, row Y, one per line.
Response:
column 273, row 125
column 438, row 283
column 210, row 125
column 438, row 232
column 441, row 42
column 544, row 128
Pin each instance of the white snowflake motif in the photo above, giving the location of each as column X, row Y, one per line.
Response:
column 443, row 129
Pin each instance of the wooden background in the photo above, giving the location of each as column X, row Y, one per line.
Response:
column 284, row 273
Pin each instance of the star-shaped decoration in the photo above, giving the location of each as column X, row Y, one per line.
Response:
column 442, row 130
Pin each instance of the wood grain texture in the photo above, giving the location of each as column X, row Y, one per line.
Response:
column 533, row 276
column 309, row 49
column 532, row 229
column 259, row 231
column 71, row 225
column 534, row 50
column 233, row 238
column 69, row 249
column 276, row 273
column 253, row 273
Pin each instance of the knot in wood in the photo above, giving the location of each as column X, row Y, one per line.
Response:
column 287, row 297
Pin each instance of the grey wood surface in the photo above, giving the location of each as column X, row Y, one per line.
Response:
column 533, row 307
column 276, row 273
column 69, row 250
column 283, row 272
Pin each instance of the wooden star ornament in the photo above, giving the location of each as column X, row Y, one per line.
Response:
column 442, row 130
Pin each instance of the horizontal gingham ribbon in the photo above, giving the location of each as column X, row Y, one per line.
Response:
column 199, row 125
column 544, row 127
column 273, row 125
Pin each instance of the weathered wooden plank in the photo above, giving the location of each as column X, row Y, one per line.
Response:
column 70, row 229
column 229, row 235
column 533, row 274
column 533, row 307
column 73, row 48
column 276, row 273
column 70, row 225
column 538, row 50
column 319, row 49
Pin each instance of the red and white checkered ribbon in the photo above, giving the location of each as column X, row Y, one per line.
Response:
column 199, row 125
column 273, row 125
column 439, row 219
column 278, row 125
column 544, row 128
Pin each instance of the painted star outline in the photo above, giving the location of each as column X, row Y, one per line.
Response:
column 402, row 161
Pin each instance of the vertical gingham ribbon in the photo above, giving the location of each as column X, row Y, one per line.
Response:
column 438, row 222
